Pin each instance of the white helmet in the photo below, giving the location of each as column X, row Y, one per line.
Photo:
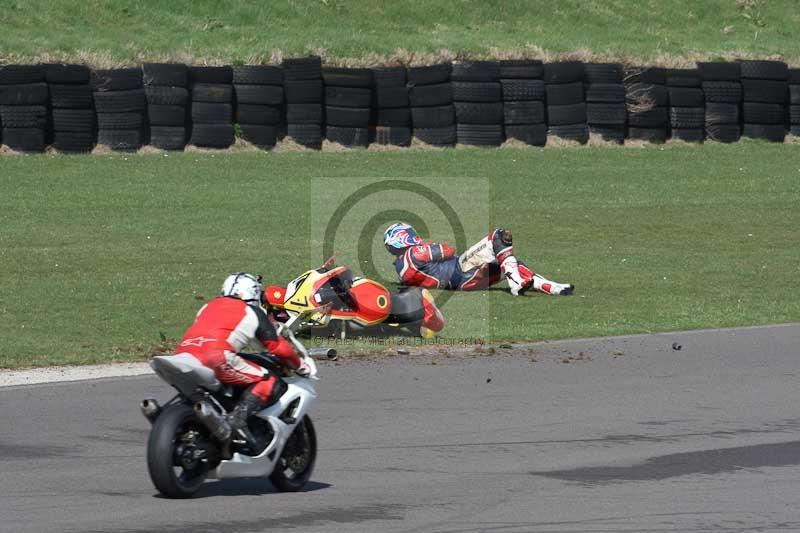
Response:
column 244, row 286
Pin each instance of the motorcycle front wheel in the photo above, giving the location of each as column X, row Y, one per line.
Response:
column 175, row 452
column 296, row 463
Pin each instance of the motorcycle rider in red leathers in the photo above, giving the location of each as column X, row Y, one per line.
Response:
column 223, row 327
column 435, row 265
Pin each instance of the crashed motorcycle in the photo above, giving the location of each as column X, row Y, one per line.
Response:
column 191, row 439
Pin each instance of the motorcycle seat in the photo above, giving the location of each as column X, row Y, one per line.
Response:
column 185, row 373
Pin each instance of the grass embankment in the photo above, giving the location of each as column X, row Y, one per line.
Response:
column 128, row 31
column 98, row 255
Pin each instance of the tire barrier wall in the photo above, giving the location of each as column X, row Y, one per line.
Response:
column 479, row 103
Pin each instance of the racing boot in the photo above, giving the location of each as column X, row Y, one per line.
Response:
column 248, row 405
column 432, row 320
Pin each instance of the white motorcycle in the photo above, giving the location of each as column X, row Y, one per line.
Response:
column 191, row 439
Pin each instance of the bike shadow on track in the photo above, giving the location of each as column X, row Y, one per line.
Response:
column 245, row 487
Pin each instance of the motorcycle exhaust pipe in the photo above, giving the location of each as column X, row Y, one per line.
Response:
column 216, row 423
column 150, row 409
column 328, row 353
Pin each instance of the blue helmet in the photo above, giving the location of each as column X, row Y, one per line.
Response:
column 400, row 236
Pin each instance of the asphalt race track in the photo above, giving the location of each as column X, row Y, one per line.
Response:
column 624, row 434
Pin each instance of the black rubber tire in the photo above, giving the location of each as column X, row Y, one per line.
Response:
column 603, row 73
column 257, row 75
column 302, row 68
column 793, row 76
column 166, row 95
column 73, row 141
column 475, row 71
column 347, row 77
column 570, row 132
column 393, row 135
column 212, row 93
column 24, row 139
column 656, row 117
column 120, row 101
column 212, row 135
column 119, row 121
column 348, row 96
column 646, row 94
column 794, row 94
column 165, row 74
column 722, row 114
column 519, row 89
column 68, row 74
column 612, row 134
column 168, row 137
column 303, row 91
column 388, row 97
column 348, row 136
column 758, row 113
column 444, row 136
column 211, row 113
column 724, row 133
column 764, row 70
column 116, row 79
column 431, row 95
column 167, row 115
column 286, row 484
column 765, row 91
column 396, row 118
column 645, row 75
column 688, row 135
column 477, row 91
column 259, row 94
column 429, row 75
column 347, row 117
column 433, row 117
column 532, row 134
column 723, row 92
column 261, row 136
column 479, row 113
column 71, row 96
column 794, row 114
column 683, row 77
column 563, row 72
column 775, row 133
column 608, row 93
column 262, row 115
column 564, row 93
column 74, row 120
column 480, row 134
column 794, row 130
column 531, row 112
column 652, row 135
column 210, row 75
column 309, row 135
column 720, row 71
column 686, row 97
column 120, row 140
column 521, row 68
column 22, row 74
column 614, row 114
column 27, row 94
column 687, row 117
column 565, row 115
column 23, row 116
column 389, row 76
column 304, row 113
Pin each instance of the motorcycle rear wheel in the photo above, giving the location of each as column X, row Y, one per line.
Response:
column 174, row 470
column 296, row 463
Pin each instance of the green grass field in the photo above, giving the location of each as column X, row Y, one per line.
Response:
column 101, row 254
column 127, row 31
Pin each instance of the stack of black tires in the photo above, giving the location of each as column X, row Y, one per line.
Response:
column 605, row 100
column 794, row 101
column 212, row 107
column 647, row 100
column 478, row 102
column 165, row 86
column 348, row 105
column 722, row 91
column 259, row 103
column 687, row 111
column 765, row 92
column 71, row 102
column 392, row 116
column 120, row 103
column 304, row 95
column 23, row 107
column 566, row 103
column 430, row 93
column 523, row 100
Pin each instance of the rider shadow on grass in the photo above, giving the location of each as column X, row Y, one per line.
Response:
column 245, row 487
